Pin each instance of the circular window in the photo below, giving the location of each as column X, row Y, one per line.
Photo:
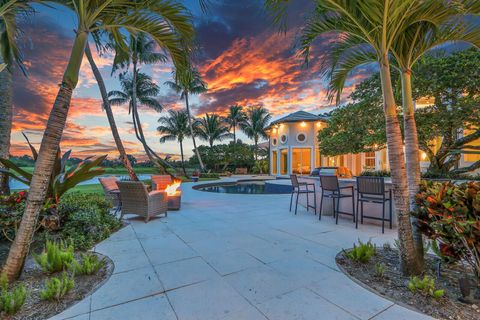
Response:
column 274, row 141
column 283, row 139
column 301, row 137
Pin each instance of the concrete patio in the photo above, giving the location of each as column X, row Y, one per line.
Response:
column 234, row 257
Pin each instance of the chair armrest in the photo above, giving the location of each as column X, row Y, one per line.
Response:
column 346, row 187
column 157, row 196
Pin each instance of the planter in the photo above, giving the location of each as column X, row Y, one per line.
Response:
column 195, row 178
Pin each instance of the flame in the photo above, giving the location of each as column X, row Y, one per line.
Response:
column 171, row 189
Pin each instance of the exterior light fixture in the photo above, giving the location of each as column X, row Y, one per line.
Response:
column 424, row 156
column 303, row 124
column 319, row 124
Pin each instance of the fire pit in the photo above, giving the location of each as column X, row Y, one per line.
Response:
column 174, row 195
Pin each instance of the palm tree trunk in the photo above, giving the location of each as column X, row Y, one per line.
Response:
column 202, row 167
column 409, row 262
column 45, row 161
column 183, row 161
column 234, row 145
column 412, row 157
column 6, row 117
column 256, row 148
column 108, row 111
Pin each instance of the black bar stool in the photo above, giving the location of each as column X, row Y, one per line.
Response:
column 372, row 189
column 331, row 189
column 297, row 188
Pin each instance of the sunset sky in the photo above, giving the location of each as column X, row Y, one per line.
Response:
column 242, row 57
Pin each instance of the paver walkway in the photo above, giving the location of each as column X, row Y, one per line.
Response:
column 234, row 257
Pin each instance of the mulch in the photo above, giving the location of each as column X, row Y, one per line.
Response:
column 393, row 284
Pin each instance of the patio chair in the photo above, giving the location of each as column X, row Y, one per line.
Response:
column 302, row 188
column 110, row 188
column 137, row 200
column 160, row 182
column 372, row 189
column 331, row 189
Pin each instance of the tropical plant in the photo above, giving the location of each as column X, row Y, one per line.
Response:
column 254, row 125
column 186, row 81
column 11, row 300
column 366, row 30
column 57, row 288
column 175, row 127
column 234, row 117
column 141, row 50
column 169, row 25
column 362, row 252
column 10, row 12
column 425, row 286
column 108, row 110
column 63, row 178
column 90, row 264
column 211, row 128
column 450, row 215
column 55, row 257
column 261, row 166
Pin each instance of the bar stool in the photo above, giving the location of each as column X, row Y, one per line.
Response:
column 297, row 188
column 331, row 189
column 372, row 189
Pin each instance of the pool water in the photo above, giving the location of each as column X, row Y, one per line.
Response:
column 250, row 187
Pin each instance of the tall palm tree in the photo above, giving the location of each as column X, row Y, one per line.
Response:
column 108, row 110
column 175, row 127
column 254, row 125
column 418, row 37
column 187, row 80
column 167, row 22
column 234, row 117
column 10, row 11
column 211, row 128
column 141, row 50
column 375, row 23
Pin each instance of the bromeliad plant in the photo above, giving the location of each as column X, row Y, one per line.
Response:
column 450, row 215
column 63, row 178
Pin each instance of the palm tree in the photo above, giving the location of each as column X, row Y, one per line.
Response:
column 254, row 125
column 175, row 127
column 141, row 50
column 187, row 80
column 108, row 109
column 168, row 23
column 234, row 117
column 10, row 10
column 211, row 128
column 374, row 25
column 419, row 37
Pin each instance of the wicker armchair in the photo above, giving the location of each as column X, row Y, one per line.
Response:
column 137, row 200
column 160, row 182
column 109, row 184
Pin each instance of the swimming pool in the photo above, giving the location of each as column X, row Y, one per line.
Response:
column 245, row 187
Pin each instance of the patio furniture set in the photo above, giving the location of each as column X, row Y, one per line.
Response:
column 134, row 197
column 368, row 190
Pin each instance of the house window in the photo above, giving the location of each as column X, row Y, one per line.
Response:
column 471, row 157
column 284, row 161
column 318, row 158
column 369, row 161
column 274, row 162
column 301, row 161
column 301, row 137
column 274, row 141
column 283, row 139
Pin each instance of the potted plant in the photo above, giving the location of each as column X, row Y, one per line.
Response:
column 195, row 176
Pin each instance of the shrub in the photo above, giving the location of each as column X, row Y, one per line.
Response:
column 425, row 286
column 375, row 173
column 361, row 253
column 55, row 257
column 11, row 301
column 210, row 175
column 449, row 214
column 89, row 265
column 57, row 288
column 87, row 219
column 379, row 270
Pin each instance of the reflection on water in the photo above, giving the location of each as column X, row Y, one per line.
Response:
column 251, row 187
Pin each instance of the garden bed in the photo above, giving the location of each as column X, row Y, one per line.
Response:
column 33, row 278
column 393, row 284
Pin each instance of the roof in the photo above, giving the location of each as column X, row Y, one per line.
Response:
column 300, row 116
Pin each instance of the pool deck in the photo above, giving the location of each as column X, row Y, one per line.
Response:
column 234, row 257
